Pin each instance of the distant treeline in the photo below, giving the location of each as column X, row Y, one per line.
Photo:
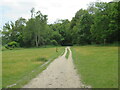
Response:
column 98, row 24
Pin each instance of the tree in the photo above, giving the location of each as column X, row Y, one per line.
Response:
column 36, row 29
column 81, row 29
column 105, row 23
column 14, row 31
column 96, row 24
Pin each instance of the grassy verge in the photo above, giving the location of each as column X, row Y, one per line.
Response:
column 0, row 69
column 20, row 66
column 97, row 65
column 67, row 54
column 63, row 52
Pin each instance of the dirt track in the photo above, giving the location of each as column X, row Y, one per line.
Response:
column 59, row 74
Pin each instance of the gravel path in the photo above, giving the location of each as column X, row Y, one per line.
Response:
column 59, row 74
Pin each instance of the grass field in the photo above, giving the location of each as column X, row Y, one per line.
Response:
column 19, row 66
column 97, row 65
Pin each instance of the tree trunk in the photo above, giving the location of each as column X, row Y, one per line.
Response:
column 36, row 41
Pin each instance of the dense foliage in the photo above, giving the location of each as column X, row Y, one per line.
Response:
column 98, row 24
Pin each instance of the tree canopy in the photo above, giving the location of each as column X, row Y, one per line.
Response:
column 98, row 24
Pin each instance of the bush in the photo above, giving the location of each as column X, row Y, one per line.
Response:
column 6, row 46
column 12, row 44
column 54, row 42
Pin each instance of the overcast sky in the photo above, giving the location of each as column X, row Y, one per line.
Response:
column 11, row 10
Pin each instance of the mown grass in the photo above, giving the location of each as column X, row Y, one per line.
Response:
column 67, row 54
column 21, row 65
column 97, row 65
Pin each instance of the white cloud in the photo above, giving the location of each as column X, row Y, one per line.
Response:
column 55, row 9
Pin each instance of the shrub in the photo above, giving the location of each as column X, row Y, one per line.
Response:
column 12, row 44
column 54, row 42
column 6, row 46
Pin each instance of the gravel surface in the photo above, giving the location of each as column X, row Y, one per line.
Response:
column 59, row 74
